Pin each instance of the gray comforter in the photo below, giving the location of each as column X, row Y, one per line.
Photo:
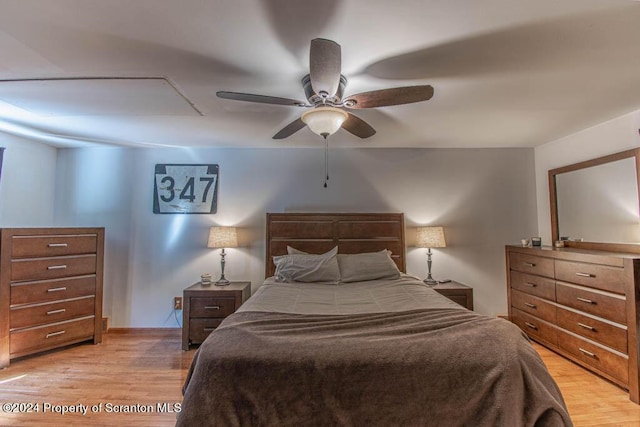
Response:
column 423, row 367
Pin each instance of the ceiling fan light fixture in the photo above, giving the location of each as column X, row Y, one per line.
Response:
column 324, row 121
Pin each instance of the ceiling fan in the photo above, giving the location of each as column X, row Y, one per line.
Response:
column 324, row 87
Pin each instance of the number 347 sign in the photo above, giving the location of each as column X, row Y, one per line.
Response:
column 186, row 189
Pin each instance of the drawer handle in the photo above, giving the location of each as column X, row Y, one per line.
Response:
column 212, row 307
column 588, row 353
column 528, row 304
column 531, row 285
column 64, row 288
column 209, row 329
column 529, row 264
column 62, row 310
column 582, row 325
column 585, row 275
column 57, row 245
column 531, row 325
column 588, row 301
column 55, row 334
column 57, row 267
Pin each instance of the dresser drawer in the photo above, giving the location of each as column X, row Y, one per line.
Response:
column 199, row 329
column 42, row 338
column 534, row 327
column 212, row 307
column 534, row 285
column 42, row 314
column 592, row 275
column 594, row 329
column 606, row 361
column 51, row 268
column 609, row 306
column 531, row 264
column 54, row 245
column 52, row 290
column 533, row 305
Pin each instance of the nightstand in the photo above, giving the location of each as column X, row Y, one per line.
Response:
column 205, row 307
column 457, row 292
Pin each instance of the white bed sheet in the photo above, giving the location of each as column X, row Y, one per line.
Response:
column 373, row 296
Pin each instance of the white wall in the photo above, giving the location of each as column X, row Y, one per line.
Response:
column 607, row 138
column 483, row 198
column 27, row 185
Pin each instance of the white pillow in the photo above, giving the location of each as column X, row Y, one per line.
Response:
column 367, row 266
column 302, row 267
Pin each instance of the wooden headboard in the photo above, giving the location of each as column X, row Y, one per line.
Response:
column 319, row 232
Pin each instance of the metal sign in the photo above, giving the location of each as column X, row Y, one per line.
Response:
column 185, row 189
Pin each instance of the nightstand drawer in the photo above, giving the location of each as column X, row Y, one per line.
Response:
column 199, row 329
column 459, row 298
column 218, row 307
column 456, row 292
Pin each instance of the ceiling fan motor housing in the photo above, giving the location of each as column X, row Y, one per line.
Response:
column 316, row 99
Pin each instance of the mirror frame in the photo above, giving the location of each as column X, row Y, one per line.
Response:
column 553, row 173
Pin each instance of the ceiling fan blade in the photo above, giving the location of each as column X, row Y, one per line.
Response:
column 387, row 97
column 358, row 127
column 237, row 96
column 325, row 64
column 290, row 129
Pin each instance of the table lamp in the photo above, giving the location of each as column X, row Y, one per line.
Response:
column 222, row 237
column 430, row 237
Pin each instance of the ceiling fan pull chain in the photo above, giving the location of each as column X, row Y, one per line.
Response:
column 326, row 161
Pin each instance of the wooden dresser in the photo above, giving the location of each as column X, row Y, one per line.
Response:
column 580, row 303
column 50, row 289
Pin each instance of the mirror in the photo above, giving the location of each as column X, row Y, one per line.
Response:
column 597, row 202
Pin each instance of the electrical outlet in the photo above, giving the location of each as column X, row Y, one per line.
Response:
column 177, row 303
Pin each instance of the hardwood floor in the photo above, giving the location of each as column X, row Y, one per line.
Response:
column 591, row 400
column 143, row 367
column 147, row 367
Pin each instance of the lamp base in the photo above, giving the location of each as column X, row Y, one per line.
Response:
column 222, row 282
column 430, row 282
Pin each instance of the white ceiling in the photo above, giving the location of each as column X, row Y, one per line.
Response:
column 506, row 73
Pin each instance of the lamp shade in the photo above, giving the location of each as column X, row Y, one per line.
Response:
column 324, row 121
column 222, row 237
column 430, row 237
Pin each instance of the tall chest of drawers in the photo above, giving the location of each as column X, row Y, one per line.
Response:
column 50, row 289
column 582, row 304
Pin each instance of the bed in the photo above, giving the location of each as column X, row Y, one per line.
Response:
column 382, row 351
